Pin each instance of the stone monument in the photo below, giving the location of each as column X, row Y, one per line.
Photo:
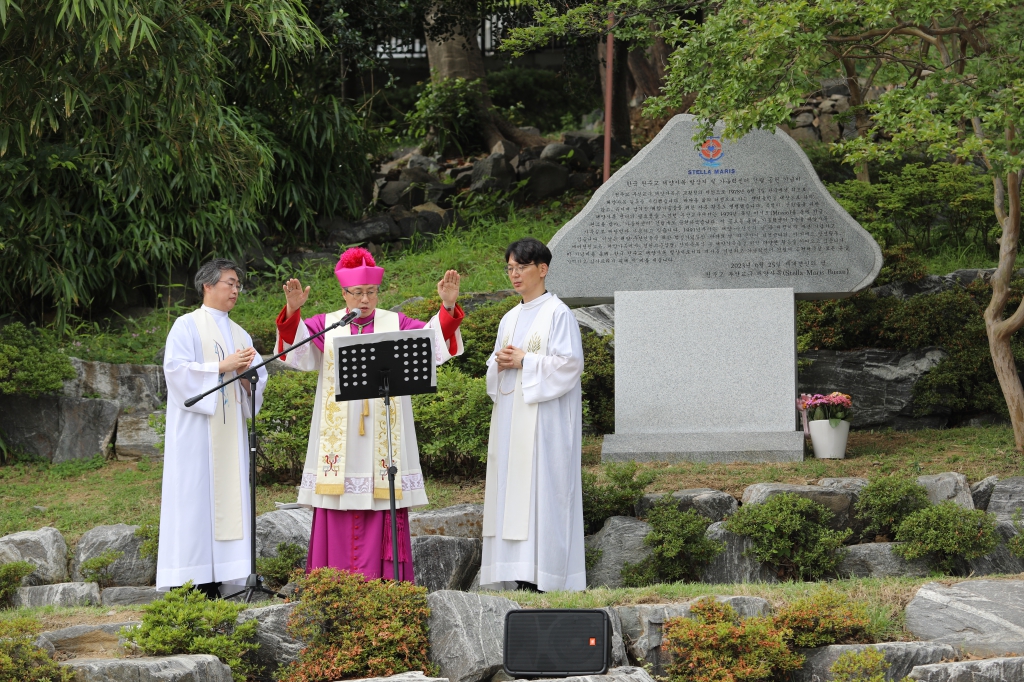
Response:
column 703, row 249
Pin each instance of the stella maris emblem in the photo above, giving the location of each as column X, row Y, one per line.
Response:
column 711, row 151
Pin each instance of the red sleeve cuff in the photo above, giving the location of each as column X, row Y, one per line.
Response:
column 450, row 322
column 287, row 327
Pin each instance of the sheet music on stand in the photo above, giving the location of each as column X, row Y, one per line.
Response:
column 385, row 365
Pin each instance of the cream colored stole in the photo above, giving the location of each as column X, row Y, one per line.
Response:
column 519, row 478
column 333, row 442
column 227, row 483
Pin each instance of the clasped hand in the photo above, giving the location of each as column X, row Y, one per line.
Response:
column 237, row 361
column 510, row 357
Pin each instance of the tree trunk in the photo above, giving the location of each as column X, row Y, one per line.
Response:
column 459, row 57
column 620, row 89
column 644, row 73
column 861, row 120
column 1000, row 331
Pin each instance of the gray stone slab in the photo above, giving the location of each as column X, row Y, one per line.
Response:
column 711, row 504
column 619, row 541
column 990, row 670
column 1007, row 498
column 277, row 646
column 1001, row 559
column 137, row 388
column 902, row 657
column 754, row 216
column 599, row 319
column 137, row 438
column 703, row 447
column 877, row 560
column 411, row 676
column 125, row 596
column 467, row 634
column 129, row 569
column 981, row 491
column 61, row 594
column 975, row 616
column 837, row 500
column 186, row 668
column 291, row 526
column 45, row 548
column 445, row 563
column 620, row 674
column 735, row 564
column 87, row 641
column 58, row 428
column 458, row 521
column 948, row 486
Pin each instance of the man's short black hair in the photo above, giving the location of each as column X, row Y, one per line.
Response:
column 529, row 250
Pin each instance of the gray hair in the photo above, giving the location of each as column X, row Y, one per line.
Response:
column 209, row 273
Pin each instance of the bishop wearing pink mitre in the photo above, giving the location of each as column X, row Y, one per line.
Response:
column 343, row 478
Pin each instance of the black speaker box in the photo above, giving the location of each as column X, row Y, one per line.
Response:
column 556, row 642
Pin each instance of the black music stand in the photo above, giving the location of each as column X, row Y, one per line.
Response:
column 381, row 366
column 254, row 583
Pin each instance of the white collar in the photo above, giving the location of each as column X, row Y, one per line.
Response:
column 537, row 301
column 214, row 311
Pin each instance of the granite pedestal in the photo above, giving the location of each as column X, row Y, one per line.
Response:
column 705, row 376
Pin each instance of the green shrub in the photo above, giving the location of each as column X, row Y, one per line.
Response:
column 30, row 363
column 447, row 115
column 868, row 665
column 947, row 534
column 284, row 420
column 792, row 534
column 150, row 534
column 598, row 383
column 278, row 569
column 452, row 425
column 885, row 502
column 11, row 574
column 97, row 569
column 186, row 622
column 540, row 97
column 355, row 628
column 626, row 483
column 679, row 548
column 23, row 661
column 715, row 646
column 826, row 617
column 901, row 264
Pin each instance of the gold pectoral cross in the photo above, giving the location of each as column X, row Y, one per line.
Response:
column 363, row 416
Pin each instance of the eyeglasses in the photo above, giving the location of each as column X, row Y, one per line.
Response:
column 518, row 269
column 368, row 293
column 233, row 284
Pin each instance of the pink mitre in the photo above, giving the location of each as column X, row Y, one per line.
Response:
column 356, row 267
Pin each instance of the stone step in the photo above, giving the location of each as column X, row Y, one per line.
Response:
column 193, row 668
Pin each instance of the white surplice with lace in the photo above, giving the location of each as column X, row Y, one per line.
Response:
column 552, row 556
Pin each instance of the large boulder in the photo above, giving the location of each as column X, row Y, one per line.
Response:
column 378, row 229
column 136, row 388
column 509, row 150
column 619, row 541
column 877, row 560
column 129, row 569
column 736, row 563
column 990, row 670
column 981, row 492
column 1001, row 559
column 837, row 500
column 85, row 641
column 619, row 654
column 59, row 428
column 402, row 193
column 445, row 563
column 850, row 484
column 545, row 179
column 642, row 626
column 947, row 486
column 184, row 668
column 458, row 521
column 902, row 657
column 61, row 594
column 572, row 157
column 283, row 526
column 137, row 437
column 128, row 596
column 980, row 617
column 467, row 634
column 1007, row 498
column 711, row 504
column 277, row 646
column 494, row 172
column 45, row 548
column 882, row 381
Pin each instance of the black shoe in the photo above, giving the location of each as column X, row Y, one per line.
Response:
column 526, row 587
column 211, row 590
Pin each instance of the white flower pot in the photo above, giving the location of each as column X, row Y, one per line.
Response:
column 829, row 442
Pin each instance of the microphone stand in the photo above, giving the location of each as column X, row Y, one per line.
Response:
column 254, row 583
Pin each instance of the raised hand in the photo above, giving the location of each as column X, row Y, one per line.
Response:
column 448, row 288
column 296, row 296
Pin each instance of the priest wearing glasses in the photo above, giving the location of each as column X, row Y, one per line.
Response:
column 204, row 511
column 533, row 500
column 344, row 478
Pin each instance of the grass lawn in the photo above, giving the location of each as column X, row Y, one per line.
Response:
column 75, row 496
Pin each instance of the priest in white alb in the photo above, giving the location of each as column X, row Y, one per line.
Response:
column 533, row 500
column 345, row 474
column 204, row 509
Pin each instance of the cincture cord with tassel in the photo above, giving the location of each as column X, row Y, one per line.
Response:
column 362, row 417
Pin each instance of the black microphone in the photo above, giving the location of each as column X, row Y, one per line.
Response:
column 348, row 318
